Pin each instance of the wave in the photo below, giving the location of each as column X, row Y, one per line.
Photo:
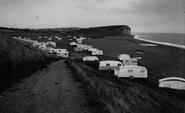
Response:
column 157, row 42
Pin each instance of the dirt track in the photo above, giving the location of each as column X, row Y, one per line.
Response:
column 51, row 90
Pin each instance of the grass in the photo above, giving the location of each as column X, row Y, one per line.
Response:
column 98, row 32
column 19, row 59
column 121, row 95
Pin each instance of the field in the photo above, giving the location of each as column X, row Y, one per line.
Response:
column 117, row 95
column 107, row 93
column 162, row 61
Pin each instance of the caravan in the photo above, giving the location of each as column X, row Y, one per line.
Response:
column 97, row 52
column 64, row 54
column 72, row 43
column 78, row 49
column 90, row 58
column 131, row 72
column 123, row 56
column 92, row 49
column 130, row 61
column 172, row 82
column 109, row 65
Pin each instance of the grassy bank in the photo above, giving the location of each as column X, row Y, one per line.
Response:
column 18, row 60
column 116, row 95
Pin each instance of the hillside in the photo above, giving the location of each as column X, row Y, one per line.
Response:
column 103, row 31
column 18, row 60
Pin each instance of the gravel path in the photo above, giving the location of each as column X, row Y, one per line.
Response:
column 51, row 90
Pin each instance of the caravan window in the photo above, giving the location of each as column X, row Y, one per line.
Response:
column 167, row 85
column 130, row 70
column 107, row 64
column 126, row 61
column 142, row 71
column 119, row 64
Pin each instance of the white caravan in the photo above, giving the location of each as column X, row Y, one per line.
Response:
column 64, row 54
column 51, row 43
column 130, row 61
column 97, row 52
column 92, row 49
column 172, row 82
column 78, row 49
column 109, row 65
column 90, row 58
column 72, row 43
column 61, row 50
column 42, row 47
column 131, row 72
column 37, row 44
column 123, row 56
column 59, row 38
column 79, row 40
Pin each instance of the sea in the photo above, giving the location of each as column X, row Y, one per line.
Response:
column 170, row 39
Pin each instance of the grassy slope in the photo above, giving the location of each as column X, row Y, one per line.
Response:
column 117, row 95
column 18, row 59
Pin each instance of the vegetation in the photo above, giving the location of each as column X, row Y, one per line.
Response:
column 26, row 31
column 115, row 95
column 98, row 32
column 19, row 59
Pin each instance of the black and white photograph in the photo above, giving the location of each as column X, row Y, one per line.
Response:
column 92, row 56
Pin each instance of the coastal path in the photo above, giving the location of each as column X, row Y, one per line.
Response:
column 50, row 90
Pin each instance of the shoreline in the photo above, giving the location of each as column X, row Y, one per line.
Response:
column 160, row 43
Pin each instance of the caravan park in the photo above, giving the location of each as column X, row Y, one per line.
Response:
column 113, row 74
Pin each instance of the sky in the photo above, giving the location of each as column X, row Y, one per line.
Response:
column 166, row 16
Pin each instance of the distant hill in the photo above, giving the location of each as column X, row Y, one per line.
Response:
column 67, row 29
column 103, row 31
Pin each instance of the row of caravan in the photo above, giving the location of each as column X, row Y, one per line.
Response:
column 48, row 46
column 127, row 67
column 134, row 71
column 87, row 48
column 50, row 37
column 125, row 71
column 120, row 70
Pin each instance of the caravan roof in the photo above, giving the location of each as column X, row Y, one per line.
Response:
column 110, row 61
column 92, row 49
column 172, row 78
column 123, row 56
column 132, row 66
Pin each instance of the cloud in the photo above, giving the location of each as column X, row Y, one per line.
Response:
column 113, row 6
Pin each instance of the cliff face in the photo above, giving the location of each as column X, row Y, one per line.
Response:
column 126, row 31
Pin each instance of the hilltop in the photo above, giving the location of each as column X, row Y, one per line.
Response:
column 102, row 31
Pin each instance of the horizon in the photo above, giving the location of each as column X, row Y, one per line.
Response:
column 164, row 16
column 87, row 28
